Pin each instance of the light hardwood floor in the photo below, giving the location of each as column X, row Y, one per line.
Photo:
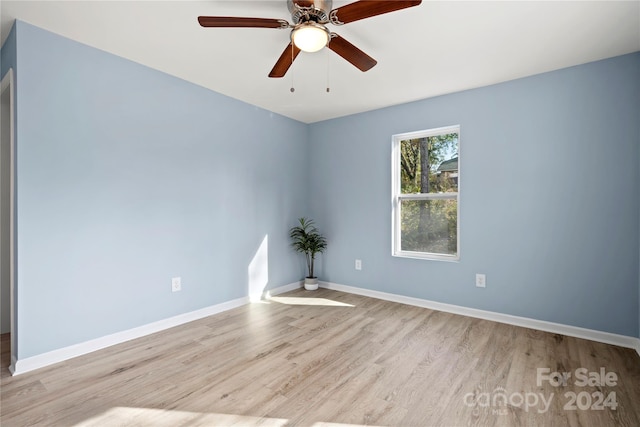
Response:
column 315, row 358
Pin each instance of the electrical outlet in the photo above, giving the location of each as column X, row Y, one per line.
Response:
column 481, row 280
column 358, row 264
column 176, row 284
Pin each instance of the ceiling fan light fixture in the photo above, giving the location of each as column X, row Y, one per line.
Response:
column 310, row 37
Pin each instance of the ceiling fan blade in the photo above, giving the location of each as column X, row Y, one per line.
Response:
column 355, row 56
column 367, row 8
column 285, row 61
column 230, row 21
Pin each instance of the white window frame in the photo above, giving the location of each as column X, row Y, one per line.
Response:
column 397, row 196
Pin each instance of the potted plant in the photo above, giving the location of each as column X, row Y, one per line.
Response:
column 306, row 239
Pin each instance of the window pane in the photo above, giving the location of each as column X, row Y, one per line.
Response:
column 429, row 165
column 429, row 226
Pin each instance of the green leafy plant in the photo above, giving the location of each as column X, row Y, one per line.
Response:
column 306, row 239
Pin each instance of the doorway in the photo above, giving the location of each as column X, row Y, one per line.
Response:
column 7, row 318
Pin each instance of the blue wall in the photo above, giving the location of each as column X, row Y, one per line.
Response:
column 549, row 197
column 128, row 177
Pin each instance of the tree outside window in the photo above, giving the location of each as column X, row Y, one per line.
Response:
column 426, row 177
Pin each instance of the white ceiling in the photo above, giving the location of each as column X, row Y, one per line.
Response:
column 436, row 48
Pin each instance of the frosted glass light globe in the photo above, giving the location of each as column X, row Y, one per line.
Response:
column 310, row 37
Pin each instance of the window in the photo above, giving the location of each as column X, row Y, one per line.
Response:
column 426, row 172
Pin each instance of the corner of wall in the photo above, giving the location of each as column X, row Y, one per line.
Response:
column 8, row 62
column 637, row 98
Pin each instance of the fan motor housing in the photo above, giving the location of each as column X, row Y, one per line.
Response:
column 310, row 10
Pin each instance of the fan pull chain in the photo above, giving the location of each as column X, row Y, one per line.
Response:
column 328, row 75
column 293, row 89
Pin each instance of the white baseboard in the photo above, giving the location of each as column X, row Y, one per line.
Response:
column 572, row 331
column 282, row 289
column 39, row 361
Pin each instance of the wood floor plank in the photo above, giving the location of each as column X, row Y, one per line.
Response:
column 316, row 358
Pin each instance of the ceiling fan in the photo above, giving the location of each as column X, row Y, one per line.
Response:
column 309, row 31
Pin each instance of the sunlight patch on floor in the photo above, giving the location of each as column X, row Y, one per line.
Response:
column 322, row 424
column 126, row 416
column 309, row 301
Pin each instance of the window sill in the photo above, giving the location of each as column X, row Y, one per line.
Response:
column 426, row 256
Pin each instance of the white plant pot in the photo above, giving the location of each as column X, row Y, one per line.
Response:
column 311, row 283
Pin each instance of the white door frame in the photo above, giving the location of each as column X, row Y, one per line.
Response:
column 8, row 84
